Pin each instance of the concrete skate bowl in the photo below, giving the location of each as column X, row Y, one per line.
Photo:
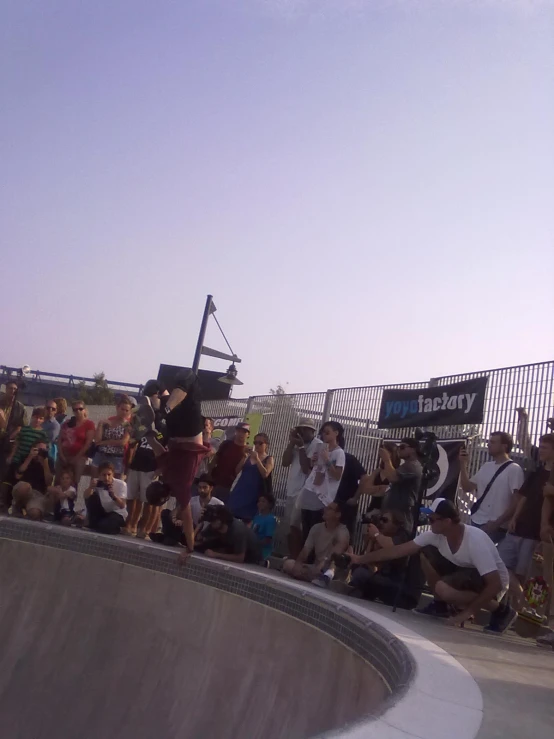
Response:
column 107, row 638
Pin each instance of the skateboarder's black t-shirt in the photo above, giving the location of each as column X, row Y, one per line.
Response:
column 186, row 419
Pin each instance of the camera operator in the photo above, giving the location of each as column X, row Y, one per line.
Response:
column 384, row 530
column 105, row 500
column 324, row 540
column 227, row 538
column 33, row 476
column 405, row 480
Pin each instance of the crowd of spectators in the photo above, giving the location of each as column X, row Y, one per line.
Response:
column 157, row 472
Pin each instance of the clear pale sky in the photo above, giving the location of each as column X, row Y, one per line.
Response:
column 365, row 186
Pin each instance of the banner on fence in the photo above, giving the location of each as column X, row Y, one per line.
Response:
column 444, row 405
column 224, row 426
column 445, row 470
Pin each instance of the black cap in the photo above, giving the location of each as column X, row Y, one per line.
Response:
column 152, row 387
column 411, row 442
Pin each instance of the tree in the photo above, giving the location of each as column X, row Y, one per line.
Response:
column 99, row 394
column 279, row 390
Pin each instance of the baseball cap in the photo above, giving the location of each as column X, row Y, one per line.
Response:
column 411, row 442
column 151, row 387
column 243, row 426
column 442, row 507
column 306, row 423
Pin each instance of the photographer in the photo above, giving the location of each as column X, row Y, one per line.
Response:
column 405, row 480
column 33, row 476
column 465, row 573
column 376, row 483
column 105, row 500
column 385, row 530
column 227, row 538
column 324, row 540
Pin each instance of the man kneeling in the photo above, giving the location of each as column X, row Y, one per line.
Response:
column 105, row 500
column 324, row 540
column 473, row 575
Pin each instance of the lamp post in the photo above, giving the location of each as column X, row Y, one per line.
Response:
column 230, row 378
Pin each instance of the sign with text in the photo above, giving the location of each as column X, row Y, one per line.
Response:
column 445, row 405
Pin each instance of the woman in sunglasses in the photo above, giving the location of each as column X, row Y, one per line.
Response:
column 254, row 479
column 386, row 530
column 75, row 439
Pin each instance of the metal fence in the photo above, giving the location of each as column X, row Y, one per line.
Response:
column 357, row 409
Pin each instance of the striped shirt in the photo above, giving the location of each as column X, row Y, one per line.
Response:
column 25, row 440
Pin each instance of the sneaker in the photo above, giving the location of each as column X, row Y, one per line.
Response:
column 547, row 640
column 436, row 608
column 322, row 581
column 501, row 620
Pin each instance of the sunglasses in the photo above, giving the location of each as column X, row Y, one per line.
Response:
column 402, row 446
column 78, row 409
column 433, row 519
column 51, row 408
column 384, row 519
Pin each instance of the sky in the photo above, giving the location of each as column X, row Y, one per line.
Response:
column 365, row 186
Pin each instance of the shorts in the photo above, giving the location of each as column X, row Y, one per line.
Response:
column 178, row 468
column 517, row 554
column 293, row 515
column 137, row 482
column 117, row 461
column 37, row 502
column 459, row 578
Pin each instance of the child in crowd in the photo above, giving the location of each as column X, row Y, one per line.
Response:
column 63, row 497
column 264, row 523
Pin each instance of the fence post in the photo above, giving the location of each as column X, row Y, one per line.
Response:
column 249, row 404
column 327, row 406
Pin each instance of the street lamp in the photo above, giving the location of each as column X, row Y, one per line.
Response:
column 230, row 378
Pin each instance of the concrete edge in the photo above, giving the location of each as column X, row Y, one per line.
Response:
column 440, row 698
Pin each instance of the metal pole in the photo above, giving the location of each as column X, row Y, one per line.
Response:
column 202, row 334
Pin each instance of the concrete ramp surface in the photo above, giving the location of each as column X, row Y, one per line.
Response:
column 96, row 649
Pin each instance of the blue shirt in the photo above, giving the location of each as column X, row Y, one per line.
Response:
column 264, row 528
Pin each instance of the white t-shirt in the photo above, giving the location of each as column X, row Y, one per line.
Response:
column 500, row 495
column 120, row 489
column 64, row 505
column 297, row 478
column 196, row 507
column 476, row 550
column 314, row 496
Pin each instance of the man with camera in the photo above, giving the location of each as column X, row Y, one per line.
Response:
column 465, row 572
column 387, row 529
column 297, row 458
column 325, row 540
column 405, row 480
column 32, row 478
column 106, row 501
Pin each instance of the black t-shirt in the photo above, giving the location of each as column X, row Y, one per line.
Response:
column 34, row 475
column 351, row 476
column 395, row 568
column 144, row 459
column 402, row 494
column 186, row 419
column 237, row 539
column 529, row 522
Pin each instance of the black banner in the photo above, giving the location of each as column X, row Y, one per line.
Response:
column 447, row 405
